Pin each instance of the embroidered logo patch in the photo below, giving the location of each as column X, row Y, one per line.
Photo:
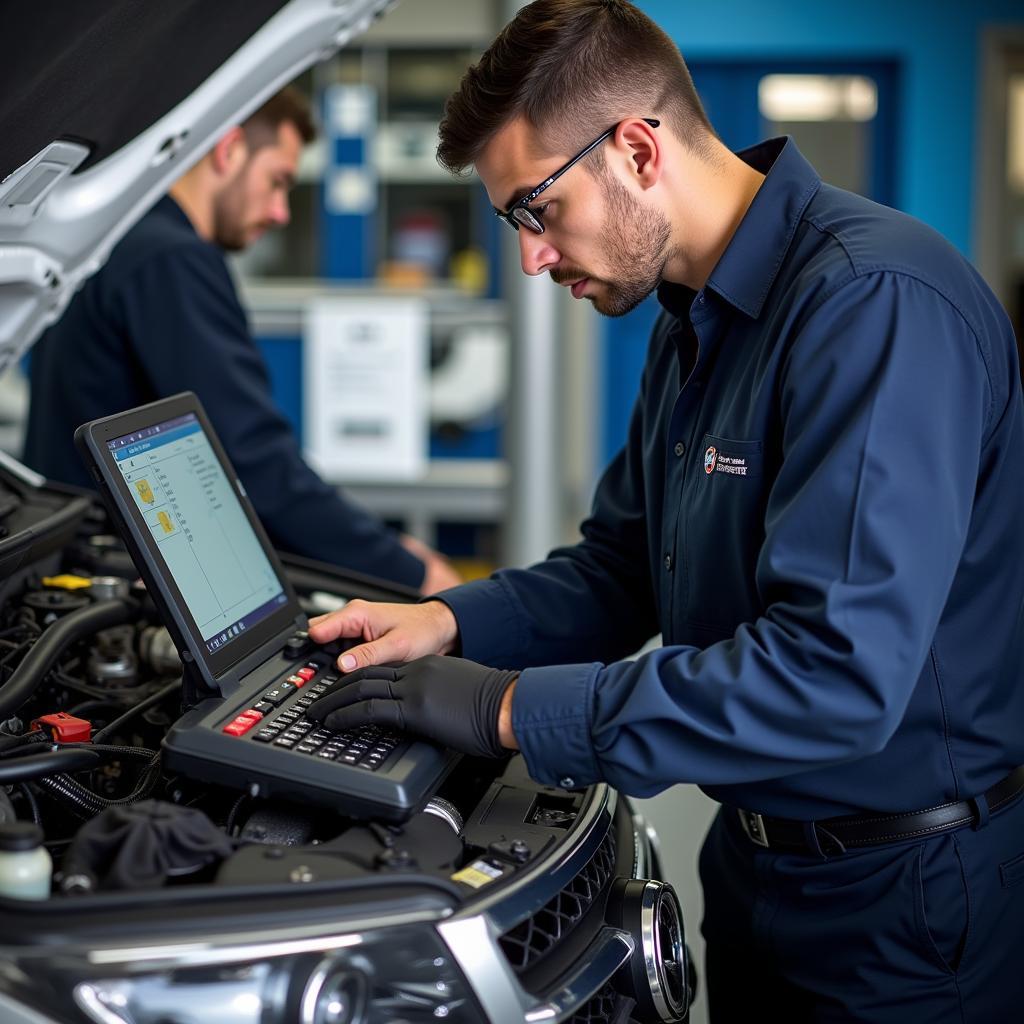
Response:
column 720, row 462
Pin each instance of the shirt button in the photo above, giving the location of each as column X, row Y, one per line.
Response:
column 568, row 782
column 679, row 448
column 668, row 563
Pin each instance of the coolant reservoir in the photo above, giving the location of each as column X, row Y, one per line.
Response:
column 25, row 864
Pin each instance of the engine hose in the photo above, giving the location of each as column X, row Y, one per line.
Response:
column 138, row 709
column 63, row 787
column 28, row 676
column 30, row 798
column 105, row 751
column 52, row 762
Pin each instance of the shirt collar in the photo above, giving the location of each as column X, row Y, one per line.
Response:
column 745, row 272
column 167, row 207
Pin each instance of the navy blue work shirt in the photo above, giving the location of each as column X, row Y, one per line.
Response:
column 163, row 316
column 820, row 505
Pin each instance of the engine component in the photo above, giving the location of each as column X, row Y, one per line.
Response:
column 158, row 651
column 446, row 811
column 74, row 626
column 25, row 865
column 112, row 662
column 270, row 824
column 64, row 728
column 140, row 846
column 54, row 603
column 106, row 588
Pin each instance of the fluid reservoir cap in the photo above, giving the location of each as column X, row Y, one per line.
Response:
column 67, row 581
column 20, row 835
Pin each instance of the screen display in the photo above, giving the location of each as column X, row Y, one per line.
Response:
column 199, row 528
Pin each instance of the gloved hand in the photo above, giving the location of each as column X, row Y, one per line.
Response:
column 450, row 700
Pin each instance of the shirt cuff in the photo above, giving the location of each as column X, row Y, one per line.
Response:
column 490, row 623
column 552, row 711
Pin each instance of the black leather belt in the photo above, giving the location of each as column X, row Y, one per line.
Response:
column 835, row 835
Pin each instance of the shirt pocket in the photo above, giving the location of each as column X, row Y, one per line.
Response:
column 725, row 531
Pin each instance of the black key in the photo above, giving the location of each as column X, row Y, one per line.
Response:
column 264, row 707
column 284, row 741
column 264, row 735
column 279, row 693
column 327, row 755
column 307, row 748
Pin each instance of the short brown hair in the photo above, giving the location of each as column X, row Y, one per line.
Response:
column 572, row 68
column 289, row 105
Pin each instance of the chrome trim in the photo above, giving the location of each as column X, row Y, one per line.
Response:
column 610, row 949
column 226, row 948
column 642, row 843
column 473, row 943
column 315, row 985
column 473, row 933
column 654, row 896
column 86, row 996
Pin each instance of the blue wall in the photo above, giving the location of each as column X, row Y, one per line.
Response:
column 937, row 42
column 937, row 46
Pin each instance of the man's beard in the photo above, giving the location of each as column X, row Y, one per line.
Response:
column 231, row 230
column 635, row 241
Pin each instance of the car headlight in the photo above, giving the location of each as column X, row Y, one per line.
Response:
column 403, row 973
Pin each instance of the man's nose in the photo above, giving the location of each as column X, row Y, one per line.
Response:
column 536, row 253
column 280, row 212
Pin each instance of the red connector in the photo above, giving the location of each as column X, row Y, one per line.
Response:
column 65, row 728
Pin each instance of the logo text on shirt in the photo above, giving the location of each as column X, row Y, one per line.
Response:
column 718, row 462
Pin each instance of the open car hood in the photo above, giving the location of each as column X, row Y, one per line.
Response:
column 107, row 103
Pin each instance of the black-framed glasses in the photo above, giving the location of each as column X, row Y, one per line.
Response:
column 520, row 213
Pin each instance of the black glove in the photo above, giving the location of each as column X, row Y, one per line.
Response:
column 450, row 700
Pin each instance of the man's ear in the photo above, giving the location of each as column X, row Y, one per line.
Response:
column 230, row 153
column 639, row 142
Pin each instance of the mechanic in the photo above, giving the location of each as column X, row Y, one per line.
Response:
column 163, row 316
column 818, row 505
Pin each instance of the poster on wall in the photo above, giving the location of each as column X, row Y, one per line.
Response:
column 366, row 378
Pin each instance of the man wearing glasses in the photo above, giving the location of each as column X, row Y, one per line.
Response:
column 818, row 506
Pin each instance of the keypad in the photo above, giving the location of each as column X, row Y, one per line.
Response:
column 278, row 718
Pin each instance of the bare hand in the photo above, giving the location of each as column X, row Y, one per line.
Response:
column 439, row 573
column 392, row 632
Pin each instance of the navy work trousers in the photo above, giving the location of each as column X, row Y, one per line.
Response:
column 918, row 931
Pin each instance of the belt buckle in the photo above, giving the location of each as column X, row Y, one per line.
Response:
column 753, row 826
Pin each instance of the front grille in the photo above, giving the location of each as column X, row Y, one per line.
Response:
column 531, row 939
column 600, row 1008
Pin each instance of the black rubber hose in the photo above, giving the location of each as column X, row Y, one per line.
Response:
column 30, row 798
column 82, row 799
column 145, row 705
column 27, row 677
column 52, row 762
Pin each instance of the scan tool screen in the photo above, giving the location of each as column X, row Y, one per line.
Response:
column 199, row 528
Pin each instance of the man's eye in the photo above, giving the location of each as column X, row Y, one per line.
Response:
column 542, row 208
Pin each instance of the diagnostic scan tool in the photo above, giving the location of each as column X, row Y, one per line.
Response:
column 249, row 672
